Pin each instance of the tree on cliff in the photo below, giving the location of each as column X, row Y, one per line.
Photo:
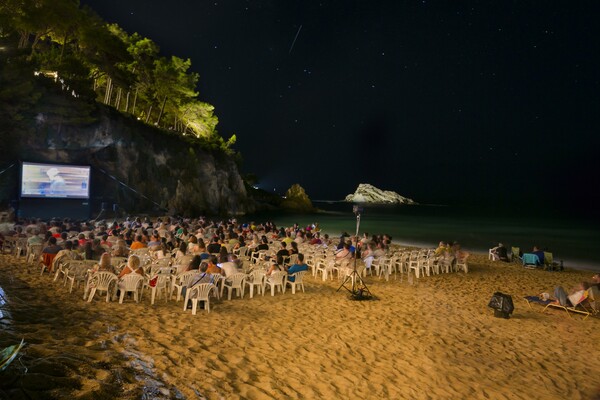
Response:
column 125, row 71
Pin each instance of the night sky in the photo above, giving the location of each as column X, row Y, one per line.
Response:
column 469, row 103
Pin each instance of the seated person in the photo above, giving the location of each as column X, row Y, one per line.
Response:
column 228, row 267
column 459, row 253
column 500, row 253
column 49, row 253
column 204, row 277
column 120, row 249
column 282, row 254
column 299, row 266
column 154, row 242
column 52, row 247
column 104, row 264
column 344, row 253
column 368, row 254
column 274, row 267
column 133, row 266
column 194, row 264
column 539, row 253
column 212, row 267
column 137, row 243
column 64, row 255
column 264, row 245
column 442, row 249
column 214, row 247
column 204, row 254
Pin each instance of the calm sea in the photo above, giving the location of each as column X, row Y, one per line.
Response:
column 572, row 239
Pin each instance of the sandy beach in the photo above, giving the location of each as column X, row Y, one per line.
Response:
column 435, row 339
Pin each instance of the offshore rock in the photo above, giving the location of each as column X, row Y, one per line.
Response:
column 366, row 193
column 297, row 200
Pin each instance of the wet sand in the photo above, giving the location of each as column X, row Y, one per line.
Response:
column 435, row 339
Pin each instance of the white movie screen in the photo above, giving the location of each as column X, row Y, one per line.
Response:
column 55, row 181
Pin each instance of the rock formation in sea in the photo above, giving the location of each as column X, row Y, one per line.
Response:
column 366, row 193
column 297, row 200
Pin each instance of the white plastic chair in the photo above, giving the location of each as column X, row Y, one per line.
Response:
column 183, row 280
column 256, row 278
column 198, row 293
column 321, row 267
column 62, row 267
column 77, row 273
column 218, row 280
column 21, row 247
column 34, row 252
column 241, row 251
column 445, row 263
column 117, row 261
column 100, row 282
column 298, row 280
column 293, row 259
column 276, row 279
column 235, row 282
column 461, row 265
column 161, row 287
column 130, row 283
column 258, row 256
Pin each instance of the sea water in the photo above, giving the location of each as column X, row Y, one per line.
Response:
column 571, row 239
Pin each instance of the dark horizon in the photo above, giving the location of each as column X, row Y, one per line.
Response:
column 472, row 103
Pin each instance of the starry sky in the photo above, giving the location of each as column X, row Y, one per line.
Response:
column 475, row 102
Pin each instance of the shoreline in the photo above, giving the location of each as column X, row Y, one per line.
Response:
column 578, row 265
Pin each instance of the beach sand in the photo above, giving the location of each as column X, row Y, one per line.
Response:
column 435, row 339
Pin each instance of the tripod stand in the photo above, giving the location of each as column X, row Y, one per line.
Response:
column 357, row 288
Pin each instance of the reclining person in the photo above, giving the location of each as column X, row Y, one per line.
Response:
column 573, row 298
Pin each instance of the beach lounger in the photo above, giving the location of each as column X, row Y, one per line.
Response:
column 578, row 309
column 549, row 263
column 531, row 260
column 515, row 254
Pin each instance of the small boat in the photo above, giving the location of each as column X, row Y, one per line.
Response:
column 8, row 354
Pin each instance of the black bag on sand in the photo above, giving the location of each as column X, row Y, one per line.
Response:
column 502, row 305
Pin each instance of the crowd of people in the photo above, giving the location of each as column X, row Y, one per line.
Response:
column 204, row 245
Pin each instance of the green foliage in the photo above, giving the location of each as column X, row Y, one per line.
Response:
column 102, row 61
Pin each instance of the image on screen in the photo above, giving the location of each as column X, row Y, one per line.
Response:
column 55, row 181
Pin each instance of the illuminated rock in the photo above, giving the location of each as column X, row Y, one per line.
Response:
column 366, row 193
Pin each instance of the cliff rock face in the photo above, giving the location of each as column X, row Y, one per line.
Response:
column 296, row 199
column 141, row 168
column 366, row 193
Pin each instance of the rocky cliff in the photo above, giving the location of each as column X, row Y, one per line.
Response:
column 297, row 200
column 366, row 193
column 136, row 166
